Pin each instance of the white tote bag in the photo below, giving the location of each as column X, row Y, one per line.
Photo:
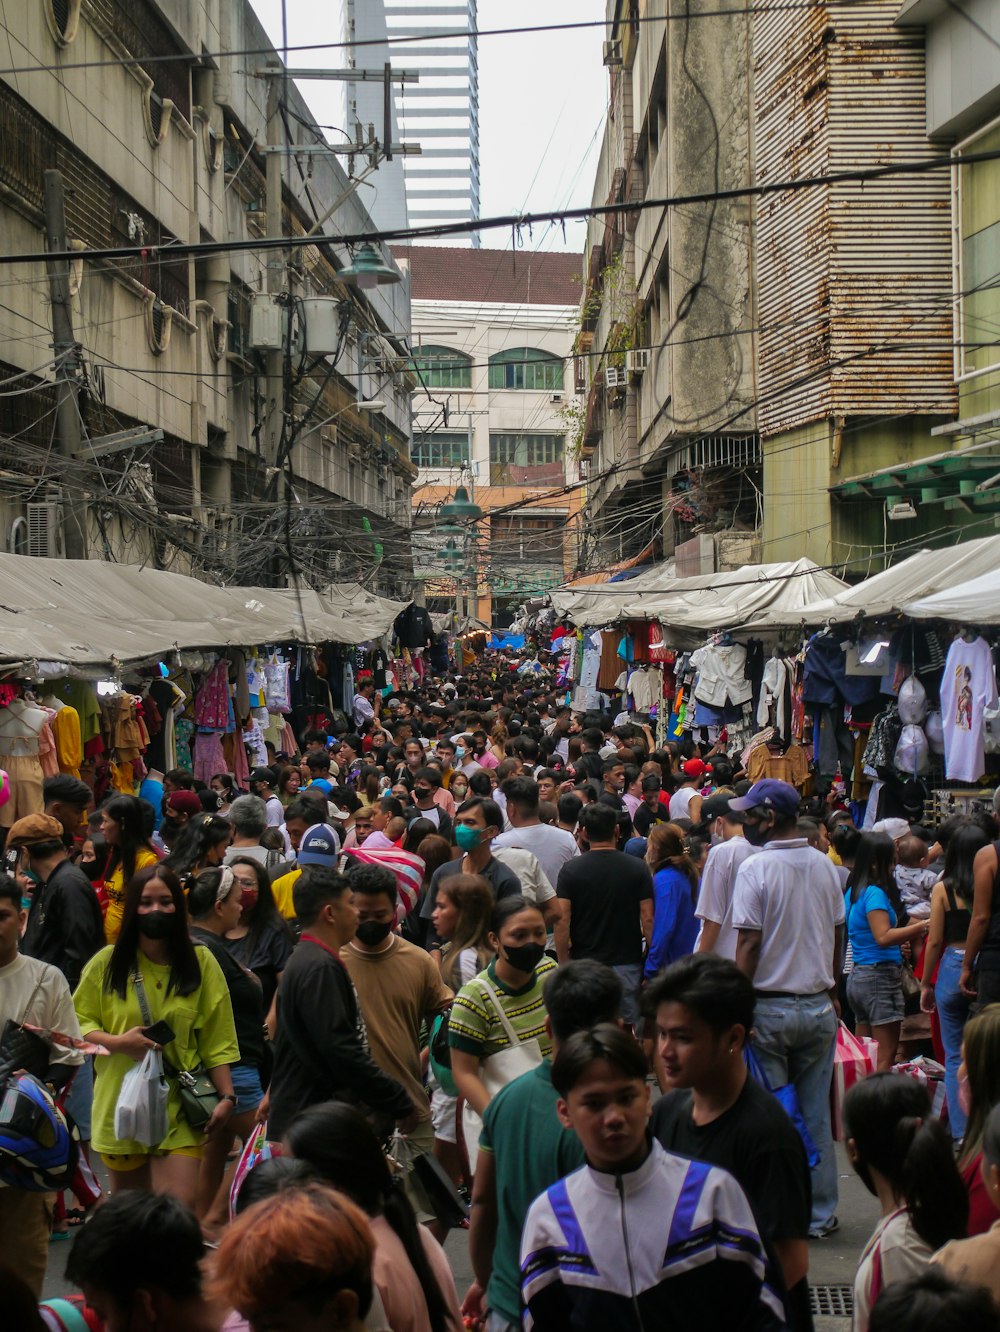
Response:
column 141, row 1111
column 496, row 1071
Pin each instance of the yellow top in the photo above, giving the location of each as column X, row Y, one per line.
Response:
column 282, row 890
column 115, row 889
column 204, row 1033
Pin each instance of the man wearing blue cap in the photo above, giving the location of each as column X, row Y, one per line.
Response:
column 788, row 909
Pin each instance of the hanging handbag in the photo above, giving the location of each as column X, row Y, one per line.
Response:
column 788, row 1098
column 497, row 1070
column 197, row 1091
column 23, row 1049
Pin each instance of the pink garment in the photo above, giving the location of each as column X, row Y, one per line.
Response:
column 211, row 703
column 486, row 759
column 48, row 756
column 241, row 769
column 288, row 745
column 208, row 756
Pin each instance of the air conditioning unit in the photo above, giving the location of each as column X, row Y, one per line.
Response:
column 614, row 377
column 637, row 360
column 45, row 529
column 613, row 52
column 556, row 397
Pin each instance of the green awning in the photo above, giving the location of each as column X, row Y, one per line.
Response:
column 964, row 479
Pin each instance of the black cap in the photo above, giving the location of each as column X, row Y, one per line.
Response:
column 719, row 806
column 263, row 775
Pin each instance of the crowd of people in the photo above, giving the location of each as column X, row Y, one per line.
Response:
column 473, row 960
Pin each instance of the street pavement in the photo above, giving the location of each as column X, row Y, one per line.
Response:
column 832, row 1261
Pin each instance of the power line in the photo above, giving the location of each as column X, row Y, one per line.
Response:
column 404, row 39
column 518, row 221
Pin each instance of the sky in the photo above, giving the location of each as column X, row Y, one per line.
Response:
column 542, row 102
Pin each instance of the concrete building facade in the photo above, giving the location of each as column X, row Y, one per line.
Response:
column 763, row 373
column 155, row 153
column 493, row 411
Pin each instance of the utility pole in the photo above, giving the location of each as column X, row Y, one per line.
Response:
column 64, row 347
column 276, row 273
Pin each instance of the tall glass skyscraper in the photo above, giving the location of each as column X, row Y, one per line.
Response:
column 441, row 112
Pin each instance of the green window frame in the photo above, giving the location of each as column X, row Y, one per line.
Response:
column 440, row 448
column 443, row 367
column 526, row 450
column 527, row 368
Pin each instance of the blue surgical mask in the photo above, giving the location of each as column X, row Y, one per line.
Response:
column 459, row 753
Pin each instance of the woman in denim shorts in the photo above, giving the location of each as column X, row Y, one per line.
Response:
column 874, row 909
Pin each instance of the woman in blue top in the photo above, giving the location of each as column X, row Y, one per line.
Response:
column 675, row 891
column 874, row 910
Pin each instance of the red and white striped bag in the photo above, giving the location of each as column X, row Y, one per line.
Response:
column 855, row 1058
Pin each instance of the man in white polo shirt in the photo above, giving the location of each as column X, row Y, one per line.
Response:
column 788, row 909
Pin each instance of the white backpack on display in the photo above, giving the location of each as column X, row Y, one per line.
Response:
column 934, row 730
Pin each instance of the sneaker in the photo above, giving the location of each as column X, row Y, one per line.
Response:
column 828, row 1229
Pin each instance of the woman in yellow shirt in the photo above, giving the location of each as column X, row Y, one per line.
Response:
column 131, row 850
column 184, row 987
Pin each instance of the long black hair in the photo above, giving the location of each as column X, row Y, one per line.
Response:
column 873, row 868
column 185, row 970
column 264, row 911
column 197, row 836
column 127, row 812
column 888, row 1117
column 337, row 1141
column 958, row 860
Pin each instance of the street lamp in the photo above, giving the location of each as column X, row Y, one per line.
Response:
column 368, row 270
column 459, row 508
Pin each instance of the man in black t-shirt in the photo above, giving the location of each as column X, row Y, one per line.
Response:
column 607, row 901
column 703, row 1008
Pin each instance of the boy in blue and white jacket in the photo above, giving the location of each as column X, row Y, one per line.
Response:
column 637, row 1238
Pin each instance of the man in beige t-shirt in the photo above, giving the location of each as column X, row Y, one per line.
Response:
column 399, row 987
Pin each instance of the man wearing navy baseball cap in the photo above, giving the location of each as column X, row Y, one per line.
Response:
column 788, row 909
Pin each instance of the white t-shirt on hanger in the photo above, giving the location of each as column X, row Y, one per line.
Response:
column 968, row 687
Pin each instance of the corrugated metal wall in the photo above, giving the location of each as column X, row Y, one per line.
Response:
column 854, row 280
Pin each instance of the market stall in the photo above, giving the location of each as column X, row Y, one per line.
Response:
column 110, row 671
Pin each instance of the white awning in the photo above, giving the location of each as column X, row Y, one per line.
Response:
column 757, row 595
column 90, row 612
column 974, row 602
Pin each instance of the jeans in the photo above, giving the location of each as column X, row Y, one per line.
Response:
column 953, row 1010
column 631, row 979
column 795, row 1040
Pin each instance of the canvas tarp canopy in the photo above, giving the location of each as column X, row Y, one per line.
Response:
column 89, row 612
column 974, row 602
column 895, row 589
column 752, row 595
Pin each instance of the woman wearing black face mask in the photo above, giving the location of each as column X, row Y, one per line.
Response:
column 496, row 1030
column 179, row 984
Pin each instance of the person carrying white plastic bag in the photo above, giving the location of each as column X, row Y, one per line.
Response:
column 141, row 1112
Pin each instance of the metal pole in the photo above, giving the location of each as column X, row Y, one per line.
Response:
column 64, row 347
column 275, row 272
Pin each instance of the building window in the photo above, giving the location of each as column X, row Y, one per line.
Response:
column 440, row 448
column 978, row 256
column 525, row 459
column 442, row 367
column 526, row 368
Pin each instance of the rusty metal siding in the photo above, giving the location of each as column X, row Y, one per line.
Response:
column 890, row 281
column 854, row 279
column 791, row 134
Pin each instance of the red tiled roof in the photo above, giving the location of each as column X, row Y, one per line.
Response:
column 445, row 273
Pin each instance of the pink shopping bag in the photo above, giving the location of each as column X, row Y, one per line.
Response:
column 854, row 1059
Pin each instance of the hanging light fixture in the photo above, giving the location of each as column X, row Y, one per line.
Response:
column 451, row 556
column 459, row 508
column 368, row 270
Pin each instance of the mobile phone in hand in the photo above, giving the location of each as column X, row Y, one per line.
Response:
column 161, row 1033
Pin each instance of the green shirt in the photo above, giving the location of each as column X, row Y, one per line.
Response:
column 204, row 1033
column 475, row 1028
column 523, row 1112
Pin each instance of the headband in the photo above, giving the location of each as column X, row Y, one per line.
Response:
column 225, row 885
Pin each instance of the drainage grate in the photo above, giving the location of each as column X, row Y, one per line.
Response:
column 832, row 1301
